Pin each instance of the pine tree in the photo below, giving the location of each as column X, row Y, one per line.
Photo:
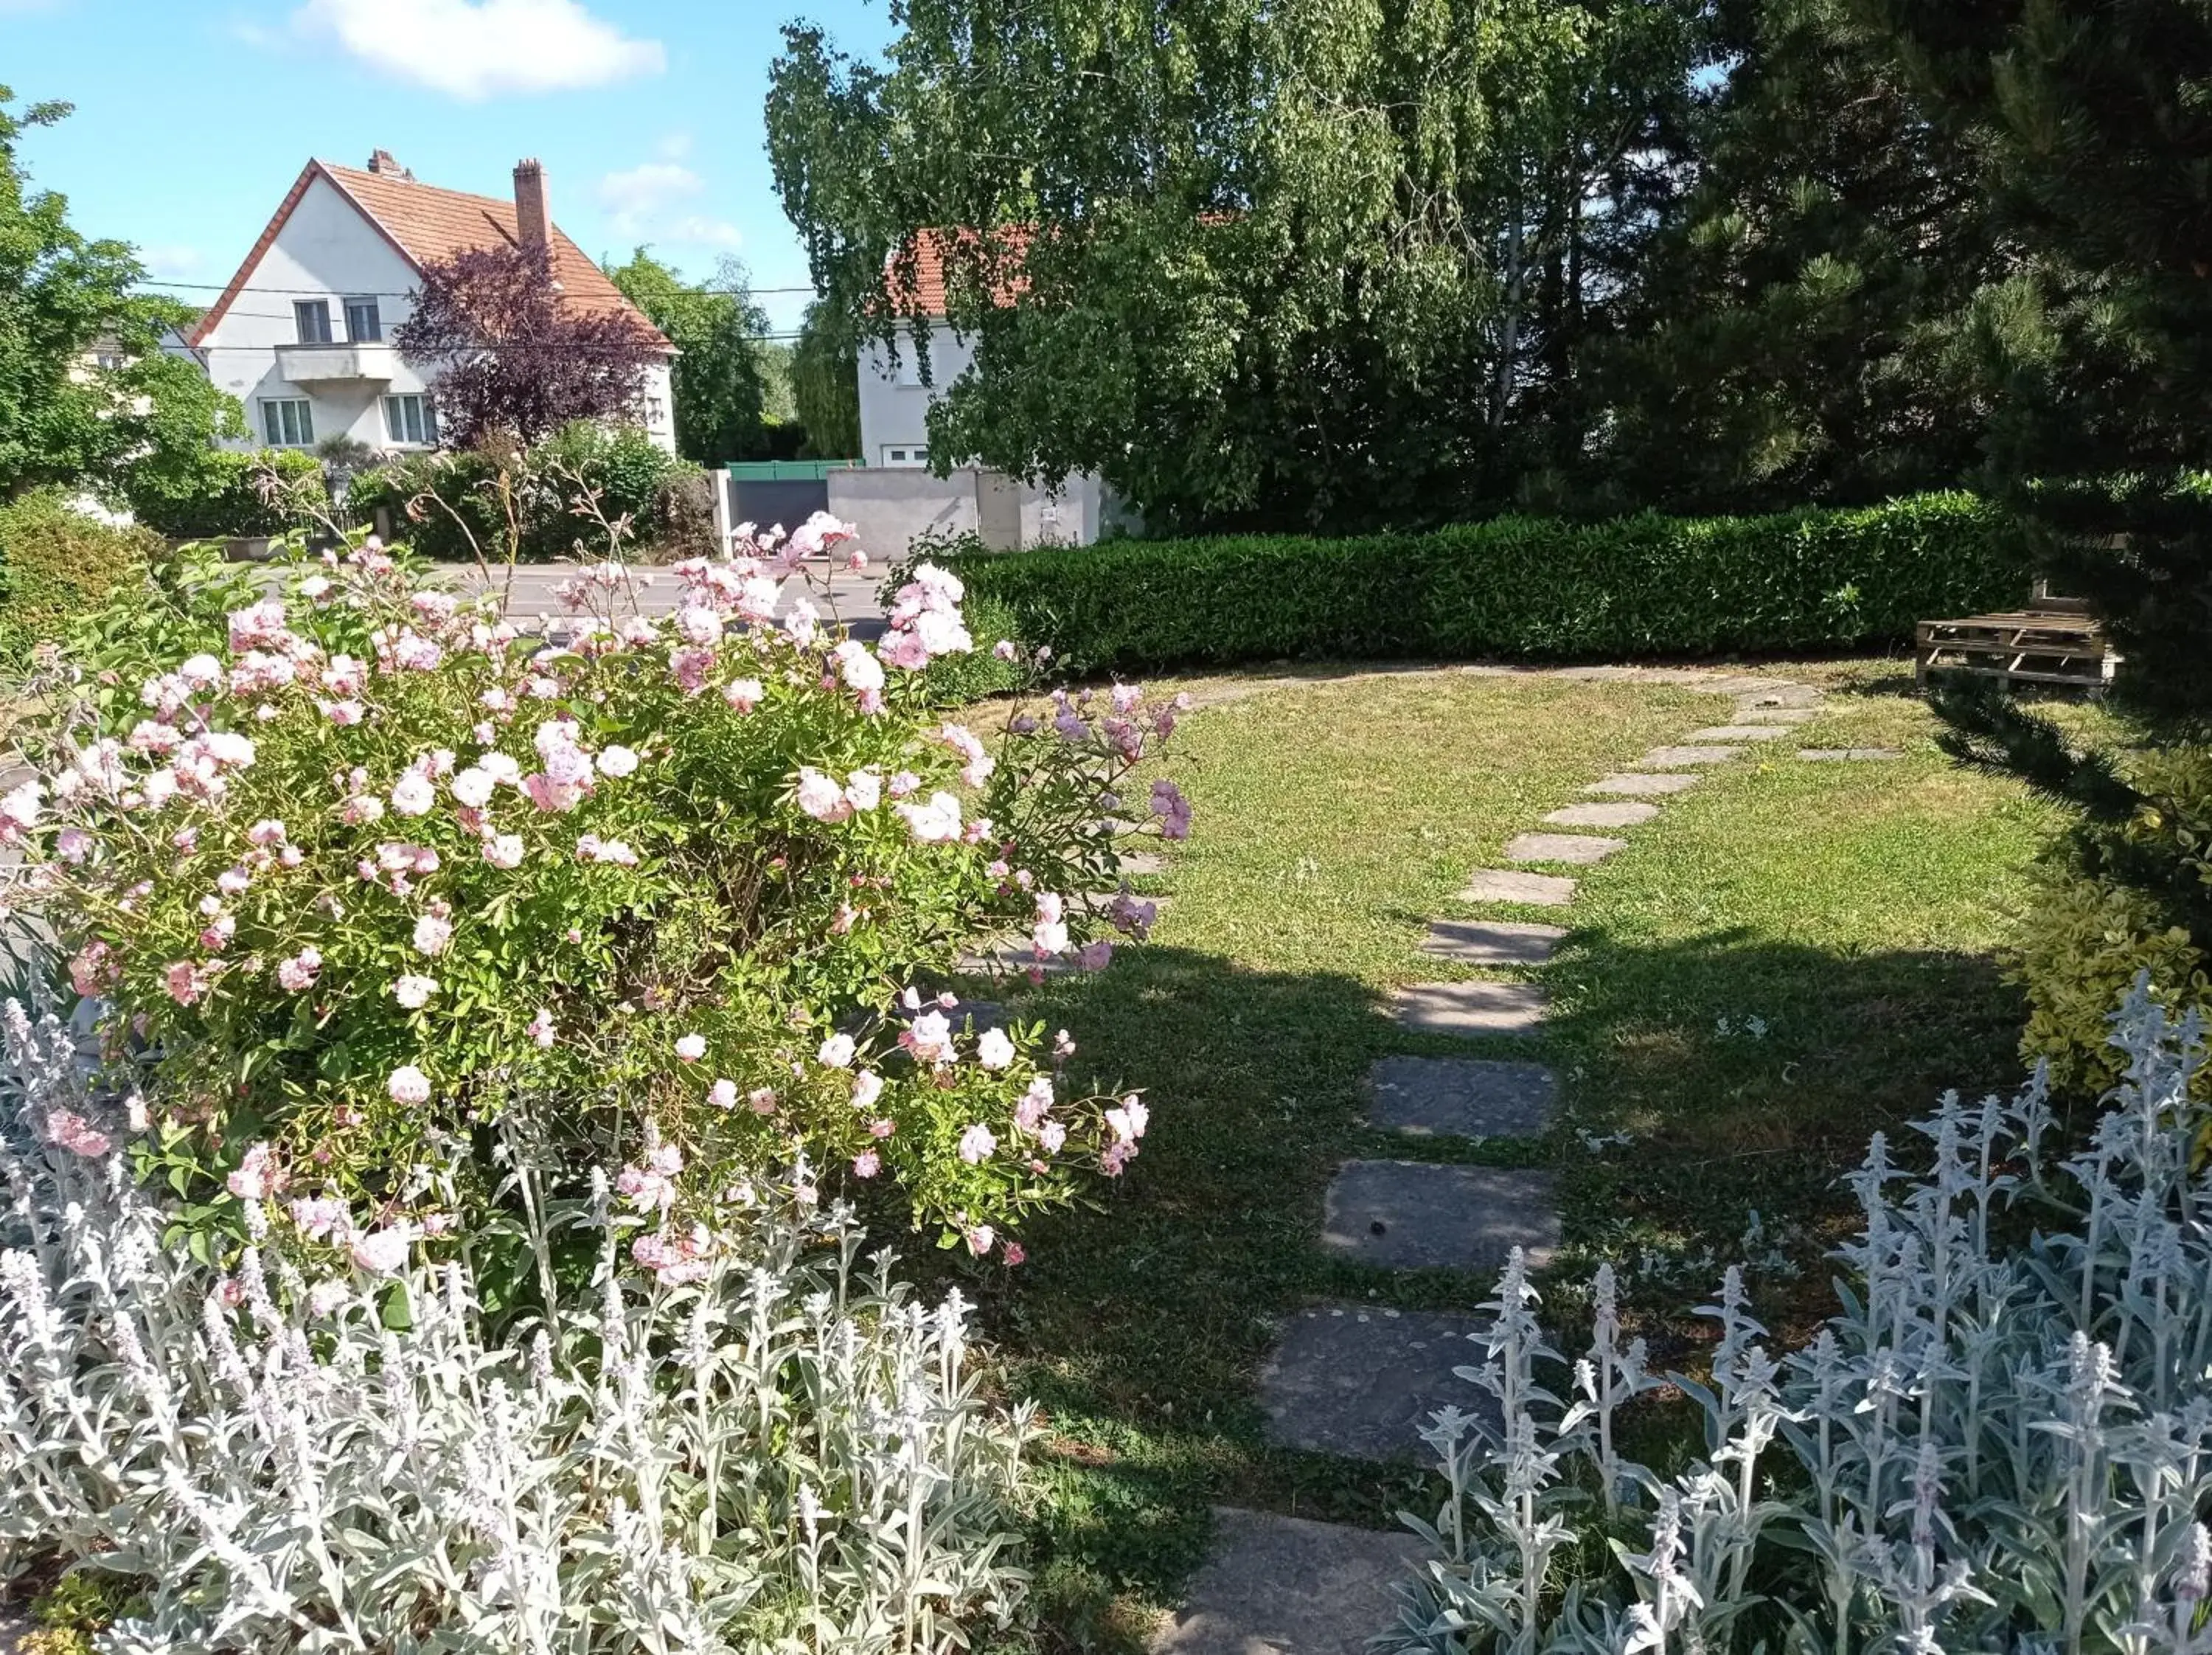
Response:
column 2094, row 119
column 1789, row 332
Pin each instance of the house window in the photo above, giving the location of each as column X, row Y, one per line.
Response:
column 410, row 419
column 313, row 316
column 904, row 456
column 288, row 422
column 910, row 356
column 363, row 324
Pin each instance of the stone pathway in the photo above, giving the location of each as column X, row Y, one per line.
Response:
column 1285, row 1584
column 1362, row 1382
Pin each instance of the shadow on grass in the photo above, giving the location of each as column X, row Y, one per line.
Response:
column 1749, row 1074
column 1138, row 1326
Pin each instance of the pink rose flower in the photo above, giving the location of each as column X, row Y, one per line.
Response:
column 408, row 1085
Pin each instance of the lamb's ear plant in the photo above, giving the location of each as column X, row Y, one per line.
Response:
column 780, row 1452
column 1990, row 1447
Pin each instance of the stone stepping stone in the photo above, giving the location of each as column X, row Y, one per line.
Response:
column 1739, row 732
column 1787, row 695
column 1461, row 1097
column 1411, row 1215
column 1602, row 815
column 1660, row 758
column 1362, row 1382
column 1748, row 687
column 1576, row 849
column 1651, row 787
column 1491, row 942
column 1511, row 885
column 1847, row 755
column 1098, row 901
column 1142, row 864
column 1288, row 1585
column 1777, row 716
column 1017, row 960
column 1472, row 1008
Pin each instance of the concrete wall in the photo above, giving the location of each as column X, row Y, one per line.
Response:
column 888, row 509
column 326, row 247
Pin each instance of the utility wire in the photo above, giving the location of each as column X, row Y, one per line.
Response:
column 390, row 292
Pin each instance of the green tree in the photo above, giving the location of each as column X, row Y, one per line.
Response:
column 720, row 382
column 2095, row 127
column 88, row 397
column 1792, row 330
column 1314, row 264
column 825, row 387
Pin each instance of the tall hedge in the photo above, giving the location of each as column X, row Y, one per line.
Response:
column 219, row 494
column 1530, row 588
column 58, row 565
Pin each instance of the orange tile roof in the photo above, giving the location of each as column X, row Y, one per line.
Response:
column 425, row 224
column 920, row 289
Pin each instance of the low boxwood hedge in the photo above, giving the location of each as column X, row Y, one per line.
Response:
column 1524, row 587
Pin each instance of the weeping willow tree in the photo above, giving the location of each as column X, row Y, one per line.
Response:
column 1325, row 262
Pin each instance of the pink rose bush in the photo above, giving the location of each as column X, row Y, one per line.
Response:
column 354, row 865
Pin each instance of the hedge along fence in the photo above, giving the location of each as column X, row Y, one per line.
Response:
column 1526, row 587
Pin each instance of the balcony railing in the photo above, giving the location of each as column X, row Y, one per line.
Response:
column 315, row 364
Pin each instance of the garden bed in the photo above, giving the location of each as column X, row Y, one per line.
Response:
column 1852, row 909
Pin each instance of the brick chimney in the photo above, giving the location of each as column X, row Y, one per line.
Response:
column 381, row 163
column 533, row 224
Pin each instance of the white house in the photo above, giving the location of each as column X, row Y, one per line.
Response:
column 892, row 497
column 302, row 334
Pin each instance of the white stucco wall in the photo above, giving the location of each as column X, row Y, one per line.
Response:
column 327, row 249
column 895, row 414
column 894, row 406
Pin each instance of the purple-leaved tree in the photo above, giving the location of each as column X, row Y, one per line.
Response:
column 512, row 357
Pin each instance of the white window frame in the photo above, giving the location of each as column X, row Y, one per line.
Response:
column 396, row 422
column 910, row 356
column 292, row 415
column 311, row 320
column 374, row 334
column 906, row 457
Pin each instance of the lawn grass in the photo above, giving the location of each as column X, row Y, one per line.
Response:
column 1852, row 908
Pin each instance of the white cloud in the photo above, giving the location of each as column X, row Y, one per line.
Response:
column 171, row 262
column 476, row 49
column 645, row 203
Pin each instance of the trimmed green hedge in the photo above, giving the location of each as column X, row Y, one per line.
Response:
column 1528, row 588
column 217, row 495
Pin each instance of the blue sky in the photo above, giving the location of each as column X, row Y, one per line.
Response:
column 193, row 116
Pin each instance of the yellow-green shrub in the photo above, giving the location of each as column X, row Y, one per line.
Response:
column 56, row 565
column 2114, row 901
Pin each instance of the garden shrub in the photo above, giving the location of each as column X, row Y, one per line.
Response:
column 57, row 566
column 227, row 495
column 1525, row 587
column 369, row 870
column 453, row 507
column 2085, row 934
column 2003, row 1441
column 779, row 1450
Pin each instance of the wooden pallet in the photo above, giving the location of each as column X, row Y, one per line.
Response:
column 2026, row 646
